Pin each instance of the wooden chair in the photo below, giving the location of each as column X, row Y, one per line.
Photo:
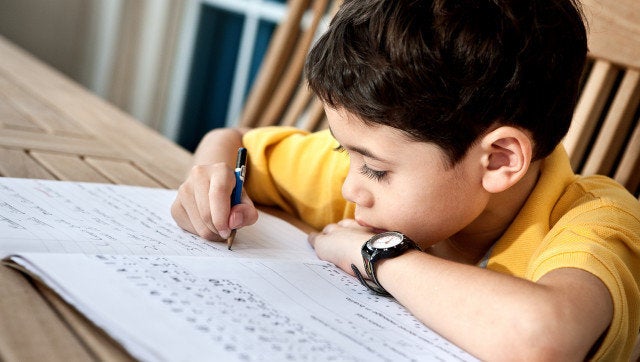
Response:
column 604, row 137
column 605, row 134
column 280, row 95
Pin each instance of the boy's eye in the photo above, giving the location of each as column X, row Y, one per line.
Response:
column 372, row 174
column 364, row 169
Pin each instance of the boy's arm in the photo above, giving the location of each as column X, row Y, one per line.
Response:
column 497, row 316
column 202, row 205
column 493, row 316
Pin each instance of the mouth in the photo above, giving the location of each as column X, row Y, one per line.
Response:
column 372, row 228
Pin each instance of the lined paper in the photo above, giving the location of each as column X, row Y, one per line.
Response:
column 199, row 308
column 90, row 218
column 115, row 254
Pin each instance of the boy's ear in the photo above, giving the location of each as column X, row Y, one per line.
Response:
column 506, row 156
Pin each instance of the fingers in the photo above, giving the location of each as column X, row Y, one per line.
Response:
column 330, row 229
column 344, row 223
column 243, row 214
column 187, row 217
column 203, row 207
column 218, row 199
column 340, row 243
column 313, row 236
column 349, row 223
column 196, row 205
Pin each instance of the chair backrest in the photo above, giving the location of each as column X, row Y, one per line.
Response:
column 605, row 134
column 604, row 137
column 280, row 95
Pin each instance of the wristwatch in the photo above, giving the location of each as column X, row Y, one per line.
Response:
column 385, row 245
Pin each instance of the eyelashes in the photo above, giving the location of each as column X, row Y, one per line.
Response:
column 364, row 169
column 372, row 174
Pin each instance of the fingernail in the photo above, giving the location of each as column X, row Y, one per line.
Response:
column 236, row 220
column 224, row 233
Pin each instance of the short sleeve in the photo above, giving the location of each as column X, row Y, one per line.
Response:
column 604, row 242
column 298, row 172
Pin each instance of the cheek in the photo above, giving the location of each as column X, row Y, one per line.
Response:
column 439, row 210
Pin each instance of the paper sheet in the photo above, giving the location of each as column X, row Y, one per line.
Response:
column 115, row 253
column 89, row 218
column 195, row 308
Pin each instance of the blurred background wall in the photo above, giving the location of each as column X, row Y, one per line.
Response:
column 180, row 66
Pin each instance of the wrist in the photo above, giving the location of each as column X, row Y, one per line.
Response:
column 383, row 246
column 387, row 268
column 218, row 145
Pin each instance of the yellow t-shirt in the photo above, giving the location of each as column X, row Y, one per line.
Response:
column 298, row 172
column 591, row 223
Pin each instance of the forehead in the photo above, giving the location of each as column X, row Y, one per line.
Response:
column 376, row 141
column 343, row 124
column 381, row 142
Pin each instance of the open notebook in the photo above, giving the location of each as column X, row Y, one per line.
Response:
column 115, row 254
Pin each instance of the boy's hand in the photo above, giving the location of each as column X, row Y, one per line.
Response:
column 203, row 204
column 341, row 243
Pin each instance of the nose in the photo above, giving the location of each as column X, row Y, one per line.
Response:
column 353, row 190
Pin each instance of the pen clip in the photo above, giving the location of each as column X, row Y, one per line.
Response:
column 240, row 172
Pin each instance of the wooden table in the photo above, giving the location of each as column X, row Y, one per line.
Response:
column 51, row 128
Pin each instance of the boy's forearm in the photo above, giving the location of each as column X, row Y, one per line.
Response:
column 219, row 145
column 491, row 313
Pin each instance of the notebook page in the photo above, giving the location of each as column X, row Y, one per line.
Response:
column 88, row 218
column 194, row 308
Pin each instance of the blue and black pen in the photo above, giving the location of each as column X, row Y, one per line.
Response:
column 236, row 196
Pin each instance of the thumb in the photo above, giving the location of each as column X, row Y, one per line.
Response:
column 242, row 215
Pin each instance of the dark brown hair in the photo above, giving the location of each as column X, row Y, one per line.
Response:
column 445, row 71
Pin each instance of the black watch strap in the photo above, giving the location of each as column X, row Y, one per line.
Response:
column 374, row 286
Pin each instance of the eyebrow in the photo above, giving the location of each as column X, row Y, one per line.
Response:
column 363, row 151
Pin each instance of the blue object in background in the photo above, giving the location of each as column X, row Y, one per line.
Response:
column 211, row 77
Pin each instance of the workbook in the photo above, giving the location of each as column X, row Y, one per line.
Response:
column 115, row 254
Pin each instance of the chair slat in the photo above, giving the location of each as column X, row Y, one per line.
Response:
column 298, row 105
column 588, row 110
column 316, row 115
column 628, row 171
column 614, row 46
column 616, row 126
column 274, row 63
column 293, row 75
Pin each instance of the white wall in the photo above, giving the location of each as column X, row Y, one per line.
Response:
column 51, row 30
column 125, row 51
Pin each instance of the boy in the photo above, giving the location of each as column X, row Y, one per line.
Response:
column 448, row 117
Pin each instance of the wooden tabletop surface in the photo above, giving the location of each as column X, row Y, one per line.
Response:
column 52, row 128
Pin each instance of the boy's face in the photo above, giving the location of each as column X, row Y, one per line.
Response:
column 404, row 185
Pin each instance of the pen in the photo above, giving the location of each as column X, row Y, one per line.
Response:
column 240, row 171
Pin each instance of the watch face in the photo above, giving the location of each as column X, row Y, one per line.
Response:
column 386, row 240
